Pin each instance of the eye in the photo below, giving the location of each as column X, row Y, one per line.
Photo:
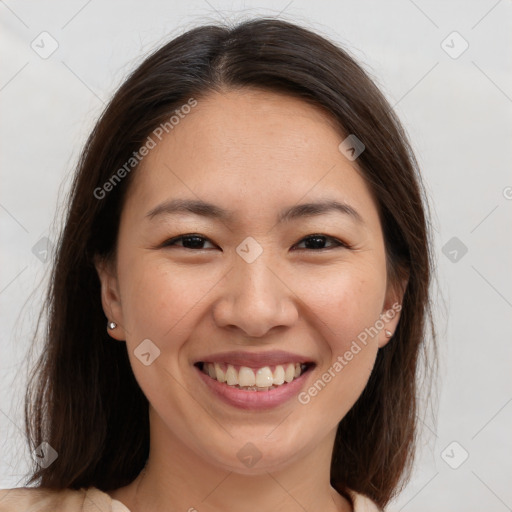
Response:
column 316, row 241
column 195, row 241
column 191, row 241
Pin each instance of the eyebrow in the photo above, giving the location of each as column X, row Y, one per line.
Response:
column 209, row 210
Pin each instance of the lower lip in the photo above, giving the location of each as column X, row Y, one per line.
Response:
column 254, row 400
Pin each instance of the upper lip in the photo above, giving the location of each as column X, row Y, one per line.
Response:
column 255, row 359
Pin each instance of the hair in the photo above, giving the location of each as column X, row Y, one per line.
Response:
column 82, row 396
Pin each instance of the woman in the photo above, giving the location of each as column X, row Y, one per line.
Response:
column 247, row 219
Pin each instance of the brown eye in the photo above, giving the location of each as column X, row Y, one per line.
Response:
column 317, row 242
column 314, row 242
column 191, row 241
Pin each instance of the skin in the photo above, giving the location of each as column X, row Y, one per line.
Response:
column 254, row 153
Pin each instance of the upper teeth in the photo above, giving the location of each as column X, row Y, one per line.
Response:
column 261, row 378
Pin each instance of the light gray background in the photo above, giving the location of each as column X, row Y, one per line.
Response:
column 457, row 112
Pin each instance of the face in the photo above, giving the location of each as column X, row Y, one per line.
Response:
column 271, row 290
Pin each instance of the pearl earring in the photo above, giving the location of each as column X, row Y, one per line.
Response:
column 388, row 333
column 112, row 325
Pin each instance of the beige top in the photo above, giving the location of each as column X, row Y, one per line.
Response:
column 34, row 499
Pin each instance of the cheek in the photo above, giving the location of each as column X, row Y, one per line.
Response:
column 346, row 305
column 158, row 302
column 345, row 300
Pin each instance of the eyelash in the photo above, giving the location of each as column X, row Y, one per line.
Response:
column 171, row 242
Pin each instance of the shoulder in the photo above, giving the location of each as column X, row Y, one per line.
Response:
column 40, row 499
column 361, row 503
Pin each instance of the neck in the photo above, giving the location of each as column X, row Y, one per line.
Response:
column 177, row 479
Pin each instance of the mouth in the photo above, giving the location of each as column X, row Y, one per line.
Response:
column 254, row 381
column 254, row 378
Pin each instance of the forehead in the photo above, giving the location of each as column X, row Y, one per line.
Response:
column 250, row 150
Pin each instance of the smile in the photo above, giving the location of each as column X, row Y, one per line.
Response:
column 254, row 379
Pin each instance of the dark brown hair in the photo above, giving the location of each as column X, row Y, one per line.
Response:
column 83, row 398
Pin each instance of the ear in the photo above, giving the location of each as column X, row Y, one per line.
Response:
column 390, row 314
column 110, row 297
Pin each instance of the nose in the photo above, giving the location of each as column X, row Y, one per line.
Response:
column 255, row 299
